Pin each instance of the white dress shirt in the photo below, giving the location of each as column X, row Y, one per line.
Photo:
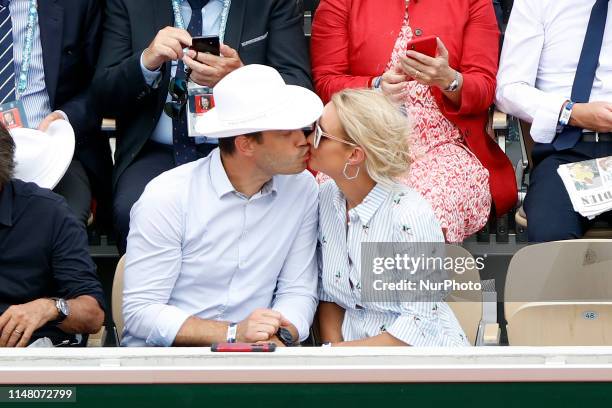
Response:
column 541, row 51
column 197, row 247
column 385, row 215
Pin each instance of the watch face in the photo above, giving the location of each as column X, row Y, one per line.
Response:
column 62, row 306
column 285, row 336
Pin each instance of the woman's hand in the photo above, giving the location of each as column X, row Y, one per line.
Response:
column 393, row 84
column 429, row 71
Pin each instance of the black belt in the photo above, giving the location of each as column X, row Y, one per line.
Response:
column 594, row 137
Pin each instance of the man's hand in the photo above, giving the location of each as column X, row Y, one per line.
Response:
column 52, row 117
column 18, row 322
column 167, row 45
column 208, row 69
column 595, row 116
column 261, row 325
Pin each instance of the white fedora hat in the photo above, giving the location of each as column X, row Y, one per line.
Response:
column 255, row 98
column 43, row 157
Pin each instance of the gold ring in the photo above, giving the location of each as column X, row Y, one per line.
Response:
column 18, row 332
column 417, row 73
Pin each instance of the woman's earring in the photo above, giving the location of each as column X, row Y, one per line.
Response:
column 346, row 169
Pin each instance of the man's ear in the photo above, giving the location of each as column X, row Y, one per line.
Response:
column 357, row 156
column 245, row 145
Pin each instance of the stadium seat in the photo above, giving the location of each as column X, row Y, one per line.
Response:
column 560, row 294
column 117, row 298
column 599, row 230
column 475, row 310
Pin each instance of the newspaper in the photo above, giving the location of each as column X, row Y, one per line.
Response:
column 589, row 185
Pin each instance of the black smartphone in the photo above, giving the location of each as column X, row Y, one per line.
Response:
column 206, row 44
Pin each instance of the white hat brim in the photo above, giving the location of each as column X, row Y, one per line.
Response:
column 302, row 108
column 43, row 157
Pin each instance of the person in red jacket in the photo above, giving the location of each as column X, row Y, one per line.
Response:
column 456, row 166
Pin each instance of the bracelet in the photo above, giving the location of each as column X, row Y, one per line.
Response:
column 231, row 332
column 455, row 84
column 376, row 82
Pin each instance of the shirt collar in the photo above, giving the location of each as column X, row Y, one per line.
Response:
column 6, row 205
column 373, row 201
column 222, row 184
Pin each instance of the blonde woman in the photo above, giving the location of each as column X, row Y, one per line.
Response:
column 360, row 142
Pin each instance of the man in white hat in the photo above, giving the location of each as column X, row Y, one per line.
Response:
column 223, row 249
column 48, row 282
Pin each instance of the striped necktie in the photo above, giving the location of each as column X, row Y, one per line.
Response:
column 7, row 67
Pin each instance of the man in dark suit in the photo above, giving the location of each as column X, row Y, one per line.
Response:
column 142, row 49
column 63, row 58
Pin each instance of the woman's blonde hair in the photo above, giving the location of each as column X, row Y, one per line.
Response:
column 373, row 122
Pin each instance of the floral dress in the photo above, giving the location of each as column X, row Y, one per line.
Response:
column 443, row 169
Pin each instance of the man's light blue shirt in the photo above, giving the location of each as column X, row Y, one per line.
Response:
column 211, row 25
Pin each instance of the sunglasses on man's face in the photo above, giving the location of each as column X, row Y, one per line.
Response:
column 319, row 133
column 178, row 92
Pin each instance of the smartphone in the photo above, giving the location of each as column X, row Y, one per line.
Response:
column 207, row 44
column 425, row 45
column 242, row 347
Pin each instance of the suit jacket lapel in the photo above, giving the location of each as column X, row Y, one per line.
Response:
column 235, row 21
column 51, row 23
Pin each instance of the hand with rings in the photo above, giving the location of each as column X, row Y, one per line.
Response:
column 427, row 70
column 19, row 322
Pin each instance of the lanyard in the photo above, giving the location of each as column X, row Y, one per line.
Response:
column 180, row 23
column 22, row 81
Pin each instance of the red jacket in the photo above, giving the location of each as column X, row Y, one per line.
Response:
column 352, row 42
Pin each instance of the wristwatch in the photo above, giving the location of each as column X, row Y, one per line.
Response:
column 63, row 309
column 231, row 332
column 285, row 336
column 455, row 84
column 566, row 114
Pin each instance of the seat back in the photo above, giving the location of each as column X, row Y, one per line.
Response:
column 117, row 297
column 467, row 306
column 559, row 293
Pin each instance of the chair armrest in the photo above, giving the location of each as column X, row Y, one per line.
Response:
column 97, row 339
column 499, row 121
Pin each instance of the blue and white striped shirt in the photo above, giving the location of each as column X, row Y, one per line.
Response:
column 35, row 98
column 396, row 214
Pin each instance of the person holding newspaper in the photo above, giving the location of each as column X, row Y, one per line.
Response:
column 555, row 73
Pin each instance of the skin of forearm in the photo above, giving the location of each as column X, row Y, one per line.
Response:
column 382, row 340
column 196, row 332
column 86, row 315
column 330, row 319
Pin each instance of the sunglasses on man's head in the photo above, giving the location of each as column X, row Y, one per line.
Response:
column 319, row 133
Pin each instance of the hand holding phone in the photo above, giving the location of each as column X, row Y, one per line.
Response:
column 206, row 45
column 424, row 45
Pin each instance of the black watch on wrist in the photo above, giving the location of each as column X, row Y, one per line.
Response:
column 63, row 310
column 285, row 336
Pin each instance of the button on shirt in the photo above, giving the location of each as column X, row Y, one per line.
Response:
column 541, row 51
column 211, row 24
column 43, row 251
column 386, row 215
column 197, row 247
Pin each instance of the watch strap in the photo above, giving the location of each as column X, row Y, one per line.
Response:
column 455, row 84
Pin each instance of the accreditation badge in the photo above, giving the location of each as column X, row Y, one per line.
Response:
column 12, row 115
column 199, row 101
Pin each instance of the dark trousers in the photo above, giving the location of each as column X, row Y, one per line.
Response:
column 548, row 207
column 75, row 188
column 153, row 160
